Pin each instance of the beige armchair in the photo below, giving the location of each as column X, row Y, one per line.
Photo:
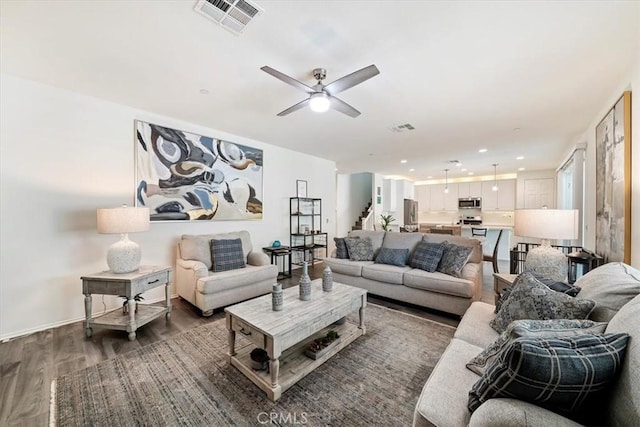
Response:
column 196, row 283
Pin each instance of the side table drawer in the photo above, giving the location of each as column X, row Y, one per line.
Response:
column 151, row 281
column 249, row 332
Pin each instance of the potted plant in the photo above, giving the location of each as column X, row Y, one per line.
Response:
column 320, row 346
column 125, row 305
column 385, row 220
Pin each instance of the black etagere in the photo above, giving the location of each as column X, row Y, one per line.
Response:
column 307, row 241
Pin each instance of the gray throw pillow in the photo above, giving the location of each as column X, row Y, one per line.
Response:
column 565, row 375
column 359, row 249
column 427, row 256
column 392, row 256
column 530, row 299
column 454, row 259
column 554, row 328
column 226, row 254
column 341, row 247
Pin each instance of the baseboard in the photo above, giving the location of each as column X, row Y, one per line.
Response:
column 18, row 334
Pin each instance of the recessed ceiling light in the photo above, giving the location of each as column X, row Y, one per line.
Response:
column 482, row 150
column 520, row 169
column 429, row 177
column 204, row 91
column 520, row 158
column 470, row 173
column 464, row 170
column 458, row 164
column 411, row 170
column 403, row 161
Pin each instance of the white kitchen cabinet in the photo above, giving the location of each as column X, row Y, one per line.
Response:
column 469, row 189
column 502, row 200
column 441, row 201
column 423, row 196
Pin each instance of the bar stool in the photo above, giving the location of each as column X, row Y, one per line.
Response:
column 493, row 259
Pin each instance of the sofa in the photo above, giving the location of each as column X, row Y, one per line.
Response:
column 434, row 290
column 208, row 290
column 445, row 396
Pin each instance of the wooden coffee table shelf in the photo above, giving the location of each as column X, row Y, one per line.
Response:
column 285, row 334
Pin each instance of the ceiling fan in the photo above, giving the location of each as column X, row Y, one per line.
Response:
column 322, row 97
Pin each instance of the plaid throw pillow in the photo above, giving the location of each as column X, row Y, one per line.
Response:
column 427, row 256
column 454, row 259
column 226, row 254
column 392, row 256
column 561, row 374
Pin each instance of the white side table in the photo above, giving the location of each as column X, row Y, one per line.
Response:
column 502, row 281
column 128, row 285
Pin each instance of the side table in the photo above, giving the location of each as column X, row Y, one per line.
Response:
column 285, row 253
column 502, row 281
column 128, row 285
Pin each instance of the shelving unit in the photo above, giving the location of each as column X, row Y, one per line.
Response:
column 307, row 241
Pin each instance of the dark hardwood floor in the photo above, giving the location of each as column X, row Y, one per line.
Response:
column 28, row 364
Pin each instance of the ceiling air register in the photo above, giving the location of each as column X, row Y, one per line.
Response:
column 234, row 15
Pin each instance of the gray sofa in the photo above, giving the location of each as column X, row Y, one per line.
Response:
column 444, row 398
column 196, row 283
column 433, row 290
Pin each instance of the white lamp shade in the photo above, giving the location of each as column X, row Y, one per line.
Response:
column 550, row 224
column 319, row 102
column 123, row 220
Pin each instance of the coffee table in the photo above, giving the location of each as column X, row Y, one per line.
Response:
column 285, row 334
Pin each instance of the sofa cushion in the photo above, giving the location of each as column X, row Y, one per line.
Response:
column 562, row 374
column 530, row 299
column 217, row 282
column 476, row 254
column 359, row 249
column 390, row 256
column 453, row 259
column 395, row 240
column 439, row 282
column 427, row 256
column 376, row 238
column 341, row 248
column 345, row 266
column 226, row 254
column 611, row 286
column 196, row 247
column 533, row 329
column 474, row 326
column 624, row 407
column 385, row 273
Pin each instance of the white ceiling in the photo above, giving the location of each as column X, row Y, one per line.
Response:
column 517, row 78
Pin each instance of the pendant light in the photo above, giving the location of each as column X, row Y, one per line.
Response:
column 495, row 178
column 446, row 180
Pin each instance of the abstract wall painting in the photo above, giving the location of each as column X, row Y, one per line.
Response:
column 183, row 176
column 613, row 183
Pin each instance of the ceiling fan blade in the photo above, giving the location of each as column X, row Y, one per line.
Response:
column 300, row 105
column 339, row 105
column 288, row 80
column 350, row 80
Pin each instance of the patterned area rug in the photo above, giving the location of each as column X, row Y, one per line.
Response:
column 186, row 380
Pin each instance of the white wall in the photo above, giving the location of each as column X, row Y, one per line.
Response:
column 353, row 195
column 62, row 156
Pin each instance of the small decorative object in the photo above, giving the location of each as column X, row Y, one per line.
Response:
column 301, row 188
column 259, row 360
column 276, row 244
column 125, row 305
column 327, row 279
column 385, row 220
column 321, row 346
column 276, row 297
column 305, row 283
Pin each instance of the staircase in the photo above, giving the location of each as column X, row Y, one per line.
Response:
column 365, row 213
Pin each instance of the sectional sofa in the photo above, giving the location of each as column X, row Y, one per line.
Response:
column 433, row 290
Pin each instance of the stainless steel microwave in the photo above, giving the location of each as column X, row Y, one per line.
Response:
column 470, row 203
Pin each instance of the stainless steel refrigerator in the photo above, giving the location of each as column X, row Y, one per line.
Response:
column 410, row 212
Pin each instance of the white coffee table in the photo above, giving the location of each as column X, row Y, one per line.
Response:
column 285, row 334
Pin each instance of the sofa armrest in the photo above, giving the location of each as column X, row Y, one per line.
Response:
column 512, row 412
column 198, row 269
column 257, row 259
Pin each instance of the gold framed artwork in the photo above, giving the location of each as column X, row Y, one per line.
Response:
column 613, row 182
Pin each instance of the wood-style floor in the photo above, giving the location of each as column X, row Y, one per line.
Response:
column 28, row 364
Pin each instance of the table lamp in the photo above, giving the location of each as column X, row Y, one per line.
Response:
column 124, row 255
column 547, row 224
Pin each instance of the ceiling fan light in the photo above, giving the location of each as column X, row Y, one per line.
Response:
column 319, row 102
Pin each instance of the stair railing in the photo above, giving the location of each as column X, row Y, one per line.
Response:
column 369, row 221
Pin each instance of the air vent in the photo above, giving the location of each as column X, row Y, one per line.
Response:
column 402, row 128
column 234, row 15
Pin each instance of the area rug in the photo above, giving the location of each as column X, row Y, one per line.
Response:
column 186, row 380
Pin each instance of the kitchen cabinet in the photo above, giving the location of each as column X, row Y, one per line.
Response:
column 502, row 200
column 441, row 201
column 423, row 196
column 469, row 189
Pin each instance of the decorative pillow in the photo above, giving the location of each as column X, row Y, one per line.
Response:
column 427, row 256
column 561, row 374
column 611, row 286
column 562, row 287
column 341, row 247
column 555, row 328
column 226, row 254
column 453, row 259
column 392, row 256
column 359, row 249
column 503, row 297
column 530, row 299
